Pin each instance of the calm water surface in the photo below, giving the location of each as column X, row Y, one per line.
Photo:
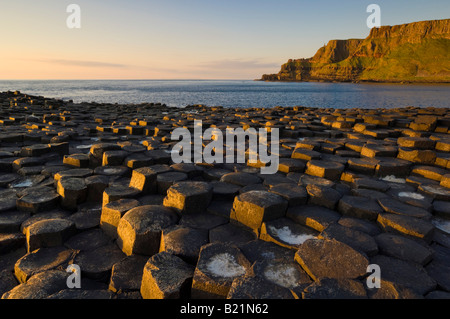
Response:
column 238, row 93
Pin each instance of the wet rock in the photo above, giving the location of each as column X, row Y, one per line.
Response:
column 184, row 242
column 88, row 240
column 97, row 264
column 406, row 274
column 289, row 165
column 439, row 267
column 391, row 290
column 139, row 230
column 332, row 288
column 305, row 154
column 252, row 208
column 42, row 259
column 38, row 201
column 359, row 207
column 74, row 294
column 295, row 195
column 49, row 233
column 441, row 208
column 189, row 197
column 323, row 196
column 144, row 179
column 217, row 267
column 254, row 287
column 10, row 242
column 240, row 179
column 39, row 286
column 53, row 214
column 86, row 218
column 362, row 225
column 96, row 185
column 166, row 276
column 7, row 281
column 430, row 172
column 363, row 165
column 426, row 157
column 331, row 258
column 206, row 221
column 284, row 232
column 356, row 239
column 10, row 221
column 406, row 225
column 77, row 160
column 313, row 216
column 76, row 172
column 326, row 169
column 232, row 234
column 259, row 250
column 114, row 158
column 224, row 191
column 403, row 248
column 116, row 192
column 73, row 191
column 393, row 206
column 435, row 191
column 376, row 150
column 422, row 143
column 165, row 180
column 126, row 275
column 367, row 183
column 113, row 212
column 8, row 200
column 287, row 274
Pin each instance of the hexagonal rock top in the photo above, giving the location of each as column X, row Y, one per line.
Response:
column 49, row 233
column 332, row 259
column 189, row 197
column 253, row 208
column 325, row 169
column 166, row 277
column 218, row 265
column 139, row 230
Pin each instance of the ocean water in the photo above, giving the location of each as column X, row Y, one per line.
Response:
column 238, row 93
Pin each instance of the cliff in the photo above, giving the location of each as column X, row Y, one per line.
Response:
column 413, row 52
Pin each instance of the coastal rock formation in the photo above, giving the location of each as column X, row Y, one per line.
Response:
column 354, row 188
column 413, row 52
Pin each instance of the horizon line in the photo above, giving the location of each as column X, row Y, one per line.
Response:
column 174, row 79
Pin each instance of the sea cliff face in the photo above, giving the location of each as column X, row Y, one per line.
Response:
column 413, row 52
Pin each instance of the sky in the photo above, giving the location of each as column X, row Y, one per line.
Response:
column 182, row 39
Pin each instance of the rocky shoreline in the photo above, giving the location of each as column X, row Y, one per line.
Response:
column 94, row 186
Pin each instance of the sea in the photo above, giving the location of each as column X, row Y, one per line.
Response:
column 238, row 93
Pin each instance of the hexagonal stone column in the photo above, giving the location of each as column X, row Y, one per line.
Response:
column 252, row 208
column 217, row 267
column 331, row 259
column 73, row 191
column 113, row 212
column 325, row 169
column 189, row 197
column 116, row 192
column 184, row 242
column 144, row 179
column 49, row 233
column 166, row 277
column 139, row 230
column 38, row 200
column 77, row 160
